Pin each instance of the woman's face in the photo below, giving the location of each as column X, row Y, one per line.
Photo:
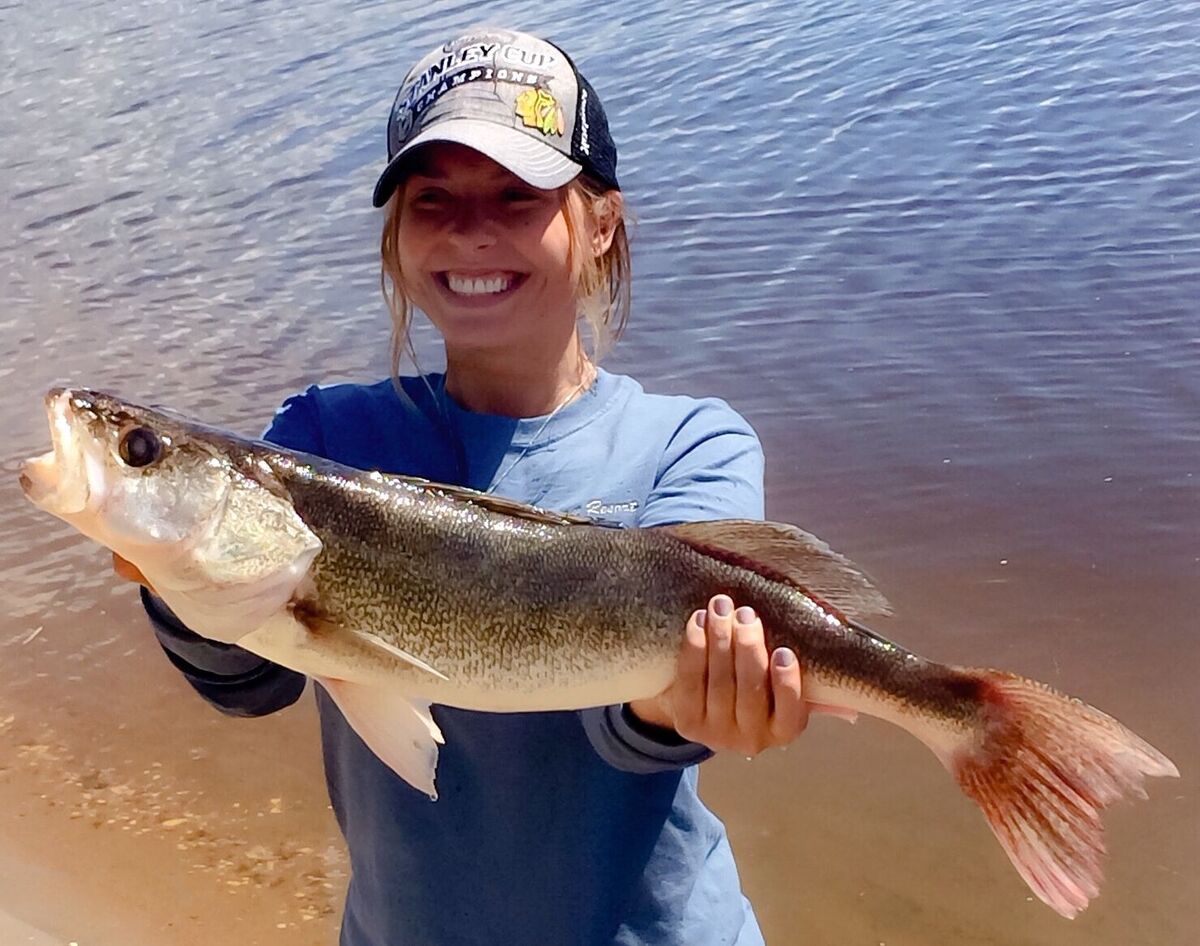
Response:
column 485, row 255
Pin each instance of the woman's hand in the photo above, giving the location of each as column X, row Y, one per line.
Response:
column 728, row 692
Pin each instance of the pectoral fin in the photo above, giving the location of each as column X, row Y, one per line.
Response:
column 361, row 673
column 332, row 634
column 378, row 643
column 401, row 732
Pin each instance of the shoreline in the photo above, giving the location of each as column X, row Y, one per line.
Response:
column 15, row 932
column 140, row 834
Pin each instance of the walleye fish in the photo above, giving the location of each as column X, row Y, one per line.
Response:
column 395, row 593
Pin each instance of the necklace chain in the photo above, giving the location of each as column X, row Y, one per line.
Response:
column 538, row 433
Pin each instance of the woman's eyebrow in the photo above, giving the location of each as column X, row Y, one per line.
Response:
column 429, row 174
column 496, row 175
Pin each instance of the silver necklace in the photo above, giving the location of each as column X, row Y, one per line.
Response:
column 537, row 434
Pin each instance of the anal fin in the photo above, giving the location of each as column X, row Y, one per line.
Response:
column 837, row 712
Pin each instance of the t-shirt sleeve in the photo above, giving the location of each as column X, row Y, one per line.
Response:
column 297, row 424
column 712, row 469
column 234, row 680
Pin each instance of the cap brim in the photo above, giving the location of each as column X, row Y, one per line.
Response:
column 535, row 162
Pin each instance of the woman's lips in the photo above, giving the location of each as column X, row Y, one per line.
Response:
column 481, row 286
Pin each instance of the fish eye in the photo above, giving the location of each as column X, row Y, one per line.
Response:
column 140, row 446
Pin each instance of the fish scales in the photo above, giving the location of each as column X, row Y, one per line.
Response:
column 537, row 602
column 481, row 597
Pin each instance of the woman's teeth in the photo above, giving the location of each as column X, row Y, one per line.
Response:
column 477, row 285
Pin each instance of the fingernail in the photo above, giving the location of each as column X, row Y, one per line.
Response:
column 784, row 658
column 722, row 606
column 700, row 617
column 745, row 615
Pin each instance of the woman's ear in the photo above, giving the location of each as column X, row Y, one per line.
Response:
column 606, row 215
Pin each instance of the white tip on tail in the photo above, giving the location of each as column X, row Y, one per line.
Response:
column 1042, row 768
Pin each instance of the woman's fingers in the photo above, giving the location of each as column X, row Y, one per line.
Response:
column 752, row 704
column 789, row 716
column 718, row 626
column 689, row 691
column 730, row 691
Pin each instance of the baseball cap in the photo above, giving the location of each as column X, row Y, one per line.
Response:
column 511, row 96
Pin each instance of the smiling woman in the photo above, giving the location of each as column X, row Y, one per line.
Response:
column 504, row 225
column 524, row 264
column 486, row 256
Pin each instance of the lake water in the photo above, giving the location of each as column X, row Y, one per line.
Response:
column 943, row 256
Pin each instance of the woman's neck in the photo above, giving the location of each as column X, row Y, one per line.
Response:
column 517, row 387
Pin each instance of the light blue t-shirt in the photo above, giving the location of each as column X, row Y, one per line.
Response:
column 550, row 828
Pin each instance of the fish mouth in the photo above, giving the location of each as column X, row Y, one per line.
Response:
column 57, row 481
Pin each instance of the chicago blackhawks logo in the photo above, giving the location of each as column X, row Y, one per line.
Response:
column 539, row 109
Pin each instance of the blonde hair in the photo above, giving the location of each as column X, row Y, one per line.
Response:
column 602, row 283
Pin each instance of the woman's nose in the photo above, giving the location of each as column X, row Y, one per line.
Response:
column 473, row 225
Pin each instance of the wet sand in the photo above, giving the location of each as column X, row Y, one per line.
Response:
column 17, row 933
column 123, row 863
column 147, row 818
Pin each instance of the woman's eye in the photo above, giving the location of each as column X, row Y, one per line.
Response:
column 518, row 195
column 429, row 199
column 140, row 446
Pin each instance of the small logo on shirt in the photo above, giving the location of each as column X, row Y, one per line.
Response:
column 598, row 507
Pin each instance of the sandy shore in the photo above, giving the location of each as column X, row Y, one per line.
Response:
column 14, row 932
column 17, row 930
column 150, row 820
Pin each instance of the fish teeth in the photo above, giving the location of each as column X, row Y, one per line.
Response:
column 478, row 285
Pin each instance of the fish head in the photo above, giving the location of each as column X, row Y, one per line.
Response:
column 197, row 510
column 130, row 477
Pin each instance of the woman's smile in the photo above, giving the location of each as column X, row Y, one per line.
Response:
column 479, row 287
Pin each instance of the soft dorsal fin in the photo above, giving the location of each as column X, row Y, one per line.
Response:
column 507, row 507
column 787, row 553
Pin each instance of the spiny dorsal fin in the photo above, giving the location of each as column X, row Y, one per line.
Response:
column 507, row 507
column 785, row 552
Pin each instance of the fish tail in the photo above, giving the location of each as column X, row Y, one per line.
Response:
column 1042, row 766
